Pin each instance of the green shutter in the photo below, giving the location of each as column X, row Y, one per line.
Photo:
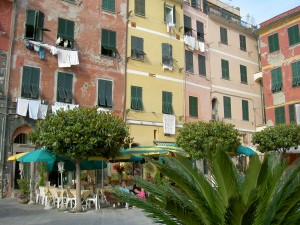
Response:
column 35, row 81
column 223, row 35
column 39, row 26
column 227, row 107
column 112, row 39
column 139, row 7
column 292, row 113
column 294, row 35
column 108, row 5
column 101, row 93
column 64, row 86
column 202, row 67
column 108, row 93
column 273, row 43
column 245, row 109
column 30, row 25
column 242, row 42
column 69, row 85
column 139, row 98
column 26, row 81
column 65, row 29
column 174, row 14
column 200, row 31
column 187, row 22
column 193, row 106
column 70, row 30
column 105, row 37
column 225, row 69
column 276, row 80
column 279, row 115
column 136, row 98
column 61, row 28
column 167, row 54
column 165, row 12
column 189, row 61
column 296, row 74
column 167, row 103
column 243, row 73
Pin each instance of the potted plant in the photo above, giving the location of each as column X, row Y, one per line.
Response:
column 119, row 168
column 23, row 197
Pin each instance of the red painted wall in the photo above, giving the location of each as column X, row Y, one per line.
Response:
column 6, row 8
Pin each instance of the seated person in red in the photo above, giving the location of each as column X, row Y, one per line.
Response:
column 139, row 192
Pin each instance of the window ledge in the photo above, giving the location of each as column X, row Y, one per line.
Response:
column 70, row 1
column 108, row 11
column 108, row 57
column 135, row 59
column 293, row 45
column 138, row 15
column 245, row 83
column 224, row 78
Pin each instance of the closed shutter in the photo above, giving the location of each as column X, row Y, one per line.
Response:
column 112, row 39
column 61, row 28
column 139, row 95
column 273, row 43
column 70, row 30
column 187, row 24
column 64, row 87
column 174, row 14
column 193, row 106
column 139, row 7
column 223, row 35
column 136, row 98
column 26, row 81
column 225, row 69
column 108, row 5
column 69, row 86
column 294, row 35
column 167, row 102
column 35, row 81
column 279, row 115
column 189, row 61
column 108, row 93
column 227, row 107
column 243, row 72
column 101, row 93
column 245, row 109
column 292, row 113
column 242, row 42
column 202, row 67
column 200, row 31
column 105, row 38
column 167, row 54
column 296, row 74
column 276, row 80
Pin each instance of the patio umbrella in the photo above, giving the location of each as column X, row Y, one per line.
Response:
column 39, row 155
column 92, row 164
column 246, row 150
column 16, row 156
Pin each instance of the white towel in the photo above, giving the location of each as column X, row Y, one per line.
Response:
column 201, row 46
column 22, row 106
column 190, row 41
column 53, row 50
column 33, row 108
column 167, row 67
column 74, row 58
column 63, row 57
column 42, row 111
column 169, row 123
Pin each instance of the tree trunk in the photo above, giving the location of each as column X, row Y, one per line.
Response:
column 78, row 187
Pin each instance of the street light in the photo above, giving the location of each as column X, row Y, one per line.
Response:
column 61, row 169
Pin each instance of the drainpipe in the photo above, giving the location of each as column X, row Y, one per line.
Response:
column 125, row 60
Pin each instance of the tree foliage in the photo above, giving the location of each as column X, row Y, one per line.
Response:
column 268, row 194
column 279, row 137
column 202, row 137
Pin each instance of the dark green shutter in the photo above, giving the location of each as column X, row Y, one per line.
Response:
column 108, row 5
column 167, row 102
column 202, row 67
column 70, row 30
column 243, row 73
column 189, row 61
column 105, row 37
column 227, row 107
column 200, row 31
column 136, row 98
column 242, row 42
column 174, row 14
column 65, row 29
column 292, row 113
column 39, row 26
column 193, row 106
column 276, row 80
column 112, row 39
column 139, row 7
column 245, row 109
column 280, row 115
column 273, row 43
column 139, row 98
column 64, row 87
column 294, row 35
column 69, row 85
column 187, row 23
column 296, row 74
column 35, row 81
column 225, row 69
column 61, row 28
column 26, row 81
column 223, row 35
column 167, row 54
column 30, row 24
column 101, row 93
column 108, row 93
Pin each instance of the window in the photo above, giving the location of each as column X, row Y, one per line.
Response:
column 193, row 106
column 273, row 43
column 227, row 107
column 279, row 115
column 196, row 4
column 34, row 25
column 245, row 109
column 108, row 43
column 276, row 80
column 105, row 93
column 292, row 113
column 139, row 7
column 243, row 73
column 296, row 74
column 30, row 82
column 109, row 5
column 136, row 98
column 64, row 87
column 65, row 33
column 189, row 61
column 187, row 25
column 225, row 69
column 167, row 102
column 243, row 42
column 137, row 48
column 200, row 31
column 167, row 59
column 223, row 35
column 169, row 14
column 294, row 35
column 201, row 64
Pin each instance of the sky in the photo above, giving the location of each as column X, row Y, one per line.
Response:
column 262, row 10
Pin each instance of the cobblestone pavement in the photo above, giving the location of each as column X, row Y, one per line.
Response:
column 14, row 213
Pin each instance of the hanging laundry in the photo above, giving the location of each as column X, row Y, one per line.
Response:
column 167, row 67
column 201, row 46
column 29, row 46
column 53, row 50
column 169, row 123
column 43, row 109
column 66, row 42
column 74, row 58
column 42, row 53
column 63, row 57
column 190, row 41
column 33, row 108
column 36, row 48
column 58, row 41
column 22, row 106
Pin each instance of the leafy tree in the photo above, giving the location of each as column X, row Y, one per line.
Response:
column 79, row 133
column 202, row 137
column 279, row 137
column 269, row 193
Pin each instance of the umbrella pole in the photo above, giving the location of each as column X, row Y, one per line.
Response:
column 31, row 202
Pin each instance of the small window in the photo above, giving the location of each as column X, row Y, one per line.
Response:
column 137, row 48
column 167, row 58
column 136, row 98
column 245, row 109
column 187, row 25
column 108, row 43
column 196, row 4
column 109, row 5
column 65, row 33
column 139, row 7
column 169, row 14
column 223, row 35
column 34, row 25
column 292, row 113
column 294, row 35
column 201, row 64
column 225, row 69
column 296, row 74
column 227, row 107
column 189, row 61
column 243, row 73
column 30, row 82
column 279, row 115
column 105, row 93
column 200, row 31
column 167, row 102
column 193, row 106
column 276, row 80
column 64, row 87
column 273, row 43
column 243, row 43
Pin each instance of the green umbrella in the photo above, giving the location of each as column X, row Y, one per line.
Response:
column 92, row 164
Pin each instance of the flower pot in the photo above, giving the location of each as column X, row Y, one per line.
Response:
column 24, row 200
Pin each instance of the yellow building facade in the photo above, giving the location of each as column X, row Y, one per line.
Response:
column 155, row 70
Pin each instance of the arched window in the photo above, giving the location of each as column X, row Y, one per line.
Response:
column 21, row 139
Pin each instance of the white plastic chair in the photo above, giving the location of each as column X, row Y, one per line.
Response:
column 93, row 198
column 42, row 197
column 70, row 199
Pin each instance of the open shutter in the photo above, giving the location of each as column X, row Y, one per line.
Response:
column 39, row 26
column 61, row 28
column 112, row 39
column 139, row 98
column 69, row 30
column 174, row 14
column 30, row 24
column 108, row 93
column 105, row 38
column 165, row 48
column 26, row 81
column 35, row 81
column 165, row 12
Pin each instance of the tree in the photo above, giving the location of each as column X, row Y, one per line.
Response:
column 269, row 193
column 79, row 133
column 279, row 137
column 202, row 137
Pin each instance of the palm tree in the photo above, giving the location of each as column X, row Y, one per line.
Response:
column 268, row 194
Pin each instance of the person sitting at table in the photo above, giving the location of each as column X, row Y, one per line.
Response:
column 139, row 192
column 123, row 187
